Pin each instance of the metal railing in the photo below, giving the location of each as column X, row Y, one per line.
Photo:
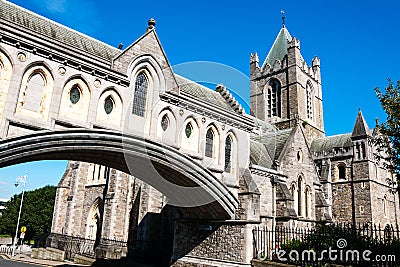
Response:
column 4, row 249
column 73, row 245
column 345, row 242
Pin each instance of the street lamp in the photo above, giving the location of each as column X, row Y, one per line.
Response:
column 23, row 180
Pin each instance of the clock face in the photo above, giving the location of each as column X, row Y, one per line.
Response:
column 108, row 105
column 74, row 95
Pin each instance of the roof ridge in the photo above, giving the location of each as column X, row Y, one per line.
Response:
column 330, row 136
column 268, row 134
column 57, row 24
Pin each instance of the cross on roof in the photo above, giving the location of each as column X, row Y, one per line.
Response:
column 283, row 18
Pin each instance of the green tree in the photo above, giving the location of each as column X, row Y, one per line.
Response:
column 36, row 215
column 388, row 139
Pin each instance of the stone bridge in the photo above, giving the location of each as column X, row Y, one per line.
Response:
column 183, row 181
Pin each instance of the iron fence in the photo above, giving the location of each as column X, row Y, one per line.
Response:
column 4, row 249
column 358, row 245
column 141, row 250
column 73, row 245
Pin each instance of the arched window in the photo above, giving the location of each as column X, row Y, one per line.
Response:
column 228, row 154
column 167, row 130
column 93, row 220
column 300, row 198
column 293, row 191
column 190, row 137
column 274, row 98
column 363, row 150
column 75, row 100
column 109, row 108
column 34, row 92
column 5, row 79
column 310, row 104
column 307, row 202
column 385, row 206
column 209, row 143
column 342, row 171
column 139, row 98
column 358, row 154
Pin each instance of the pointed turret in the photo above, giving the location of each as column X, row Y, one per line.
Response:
column 360, row 127
column 279, row 49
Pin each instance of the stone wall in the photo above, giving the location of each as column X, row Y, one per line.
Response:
column 363, row 202
column 212, row 241
column 341, row 202
column 298, row 162
column 384, row 213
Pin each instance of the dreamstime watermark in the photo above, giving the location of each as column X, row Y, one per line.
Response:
column 338, row 254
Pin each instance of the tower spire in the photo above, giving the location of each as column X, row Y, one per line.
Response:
column 283, row 18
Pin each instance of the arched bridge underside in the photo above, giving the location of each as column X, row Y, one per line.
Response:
column 183, row 181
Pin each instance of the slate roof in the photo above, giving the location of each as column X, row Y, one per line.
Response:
column 279, row 48
column 331, row 142
column 265, row 126
column 360, row 127
column 282, row 195
column 259, row 155
column 265, row 149
column 202, row 92
column 274, row 142
column 320, row 200
column 43, row 26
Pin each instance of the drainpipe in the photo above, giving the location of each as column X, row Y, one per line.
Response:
column 395, row 203
column 330, row 185
column 353, row 207
column 274, row 183
column 287, row 90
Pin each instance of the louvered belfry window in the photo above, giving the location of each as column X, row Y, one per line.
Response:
column 309, row 94
column 274, row 98
column 139, row 98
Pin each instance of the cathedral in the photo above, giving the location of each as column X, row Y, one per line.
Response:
column 276, row 162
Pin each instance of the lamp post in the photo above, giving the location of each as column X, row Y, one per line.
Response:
column 23, row 180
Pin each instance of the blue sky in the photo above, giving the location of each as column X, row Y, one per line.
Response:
column 356, row 41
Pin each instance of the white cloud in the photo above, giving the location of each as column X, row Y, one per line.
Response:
column 58, row 6
column 3, row 183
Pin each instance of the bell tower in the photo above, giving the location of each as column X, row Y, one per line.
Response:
column 285, row 90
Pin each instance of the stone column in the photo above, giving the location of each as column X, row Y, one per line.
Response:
column 75, row 199
column 60, row 204
column 117, row 204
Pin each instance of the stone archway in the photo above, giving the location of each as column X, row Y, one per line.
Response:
column 184, row 181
